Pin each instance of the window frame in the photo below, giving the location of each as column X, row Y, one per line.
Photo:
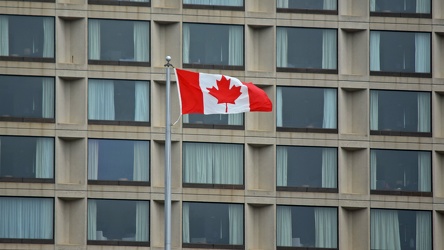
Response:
column 120, row 2
column 407, row 15
column 214, row 126
column 213, row 7
column 309, row 11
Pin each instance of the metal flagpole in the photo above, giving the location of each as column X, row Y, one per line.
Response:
column 168, row 158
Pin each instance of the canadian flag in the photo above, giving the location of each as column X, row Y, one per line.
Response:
column 218, row 94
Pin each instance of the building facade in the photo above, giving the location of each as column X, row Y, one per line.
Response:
column 351, row 158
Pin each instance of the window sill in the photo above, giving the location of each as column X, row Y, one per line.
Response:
column 308, row 189
column 213, row 7
column 118, row 243
column 211, row 66
column 27, row 241
column 211, row 246
column 308, row 130
column 26, row 180
column 307, row 11
column 213, row 186
column 213, row 126
column 121, row 3
column 27, row 59
column 119, row 63
column 119, row 123
column 24, row 119
column 402, row 193
column 409, row 15
column 45, row 1
column 401, row 74
column 400, row 133
column 305, row 248
column 119, row 183
column 307, row 70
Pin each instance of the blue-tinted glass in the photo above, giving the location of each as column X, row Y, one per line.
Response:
column 401, row 6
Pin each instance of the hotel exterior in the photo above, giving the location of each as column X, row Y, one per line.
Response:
column 351, row 158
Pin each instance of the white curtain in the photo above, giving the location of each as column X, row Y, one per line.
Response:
column 4, row 35
column 236, row 45
column 282, row 3
column 326, row 227
column 284, row 228
column 48, row 98
column 228, row 164
column 422, row 52
column 384, row 229
column 185, row 223
column 142, row 220
column 330, row 4
column 423, row 230
column 282, row 47
column 374, row 112
column 235, row 119
column 186, row 43
column 236, row 224
column 329, row 49
column 375, row 56
column 142, row 104
column 101, row 100
column 279, row 107
column 282, row 166
column 141, row 41
column 424, row 172
column 44, row 158
column 26, row 218
column 423, row 112
column 372, row 5
column 373, row 169
column 423, row 6
column 48, row 37
column 93, row 159
column 94, row 39
column 330, row 116
column 215, row 2
column 141, row 161
column 197, row 165
column 92, row 220
column 329, row 162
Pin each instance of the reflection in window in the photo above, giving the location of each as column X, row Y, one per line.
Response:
column 306, row 167
column 26, row 157
column 401, row 6
column 26, row 218
column 118, row 40
column 26, row 97
column 400, row 111
column 401, row 170
column 215, row 2
column 307, row 4
column 213, row 223
column 118, row 220
column 400, row 52
column 213, row 163
column 400, row 229
column 118, row 100
column 223, row 44
column 307, row 227
column 118, row 160
column 306, row 48
column 307, row 108
column 27, row 36
column 214, row 119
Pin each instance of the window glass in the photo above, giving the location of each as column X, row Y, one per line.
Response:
column 400, row 229
column 401, row 6
column 400, row 111
column 400, row 52
column 27, row 36
column 26, row 218
column 118, row 160
column 214, row 119
column 118, row 220
column 26, row 97
column 118, row 40
column 223, row 44
column 306, row 167
column 308, row 227
column 121, row 2
column 26, row 157
column 224, row 3
column 212, row 223
column 306, row 108
column 118, row 100
column 213, row 163
column 306, row 48
column 401, row 170
column 307, row 4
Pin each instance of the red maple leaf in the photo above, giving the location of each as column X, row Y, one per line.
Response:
column 223, row 93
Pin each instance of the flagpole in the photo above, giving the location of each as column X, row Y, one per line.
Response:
column 168, row 158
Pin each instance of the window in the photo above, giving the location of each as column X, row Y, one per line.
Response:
column 118, row 222
column 306, row 50
column 118, row 162
column 118, row 42
column 400, row 229
column 400, row 113
column 214, row 121
column 306, row 168
column 400, row 53
column 306, row 109
column 27, row 220
column 118, row 102
column 408, row 8
column 26, row 98
column 27, row 38
column 146, row 3
column 26, row 159
column 213, row 164
column 214, row 4
column 308, row 6
column 401, row 172
column 307, row 227
column 213, row 225
column 222, row 48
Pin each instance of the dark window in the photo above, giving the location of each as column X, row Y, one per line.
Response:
column 307, row 227
column 118, row 222
column 118, row 101
column 408, row 8
column 308, row 6
column 145, row 3
column 26, row 158
column 400, row 229
column 118, row 42
column 222, row 48
column 213, row 225
column 306, row 50
column 400, row 113
column 214, row 120
column 214, row 4
column 306, row 168
column 400, row 53
column 121, row 161
column 306, row 109
column 27, row 38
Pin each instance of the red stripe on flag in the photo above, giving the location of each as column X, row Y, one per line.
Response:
column 259, row 100
column 190, row 92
